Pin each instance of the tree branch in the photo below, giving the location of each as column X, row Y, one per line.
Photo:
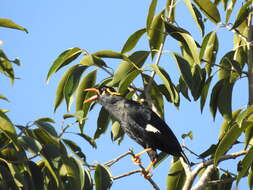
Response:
column 127, row 174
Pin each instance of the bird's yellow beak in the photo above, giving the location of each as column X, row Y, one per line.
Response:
column 92, row 98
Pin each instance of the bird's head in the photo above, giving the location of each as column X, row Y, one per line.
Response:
column 103, row 94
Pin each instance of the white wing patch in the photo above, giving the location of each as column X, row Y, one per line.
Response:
column 151, row 128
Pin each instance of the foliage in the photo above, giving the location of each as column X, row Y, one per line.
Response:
column 201, row 76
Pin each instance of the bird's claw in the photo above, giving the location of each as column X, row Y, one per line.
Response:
column 136, row 159
column 146, row 174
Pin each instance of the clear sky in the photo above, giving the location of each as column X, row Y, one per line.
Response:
column 55, row 26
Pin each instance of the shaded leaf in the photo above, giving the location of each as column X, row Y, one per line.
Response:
column 176, row 176
column 45, row 137
column 250, row 178
column 246, row 163
column 37, row 175
column 63, row 59
column 88, row 182
column 90, row 140
column 160, row 158
column 133, row 40
column 75, row 149
column 204, row 93
column 102, row 122
column 242, row 14
column 156, row 34
column 215, row 97
column 7, row 23
column 209, row 9
column 91, row 60
column 103, row 177
column 210, row 151
column 196, row 16
column 228, row 185
column 30, row 144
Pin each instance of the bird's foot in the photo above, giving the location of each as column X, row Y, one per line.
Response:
column 146, row 174
column 136, row 159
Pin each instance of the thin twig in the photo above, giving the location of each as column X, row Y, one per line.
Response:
column 127, row 174
column 111, row 162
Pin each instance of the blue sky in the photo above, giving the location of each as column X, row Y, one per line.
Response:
column 55, row 26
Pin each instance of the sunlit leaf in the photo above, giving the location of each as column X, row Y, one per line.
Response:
column 196, row 16
column 103, row 177
column 7, row 23
column 102, row 122
column 92, row 60
column 248, row 134
column 176, row 176
column 6, row 67
column 151, row 14
column 124, row 83
column 117, row 131
column 7, row 127
column 209, row 9
column 47, row 126
column 156, row 33
column 45, row 137
column 246, row 163
column 133, row 40
column 63, row 59
column 109, row 54
column 242, row 14
column 230, row 9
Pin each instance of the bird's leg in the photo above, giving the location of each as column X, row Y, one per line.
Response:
column 147, row 173
column 136, row 158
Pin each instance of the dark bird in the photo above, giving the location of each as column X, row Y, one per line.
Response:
column 140, row 123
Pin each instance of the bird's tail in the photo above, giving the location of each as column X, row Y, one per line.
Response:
column 185, row 158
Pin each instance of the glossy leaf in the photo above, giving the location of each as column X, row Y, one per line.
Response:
column 185, row 38
column 225, row 100
column 227, row 141
column 72, row 84
column 103, row 177
column 117, row 131
column 7, row 127
column 109, row 54
column 30, row 144
column 125, row 83
column 156, row 34
column 63, row 59
column 45, row 137
column 92, row 60
column 204, row 93
column 102, row 122
column 176, row 176
column 133, row 40
column 209, row 9
column 151, row 14
column 196, row 16
column 230, row 9
column 138, row 58
column 90, row 140
column 75, row 149
column 168, row 83
column 215, row 97
column 7, row 23
column 242, row 14
column 246, row 163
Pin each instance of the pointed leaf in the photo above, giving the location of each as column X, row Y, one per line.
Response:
column 90, row 140
column 103, row 177
column 126, row 82
column 7, row 23
column 72, row 84
column 91, row 60
column 151, row 14
column 117, row 131
column 230, row 9
column 215, row 97
column 109, row 54
column 30, row 144
column 75, row 149
column 102, row 122
column 7, row 127
column 176, row 176
column 196, row 16
column 45, row 119
column 63, row 59
column 209, row 9
column 227, row 141
column 3, row 98
column 204, row 93
column 156, row 34
column 133, row 40
column 88, row 182
column 242, row 14
column 246, row 163
column 47, row 126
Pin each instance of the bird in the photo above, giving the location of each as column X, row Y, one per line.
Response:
column 140, row 123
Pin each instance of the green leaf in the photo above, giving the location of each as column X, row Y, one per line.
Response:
column 3, row 98
column 168, row 83
column 189, row 135
column 250, row 178
column 248, row 134
column 215, row 97
column 47, row 126
column 185, row 38
column 242, row 14
column 6, row 67
column 210, row 151
column 138, row 58
column 90, row 140
column 176, row 176
column 37, row 175
column 196, row 16
column 133, row 40
column 7, row 127
column 126, row 82
column 30, row 144
column 92, row 60
column 45, row 137
column 225, row 100
column 226, row 66
column 102, row 122
column 246, row 163
column 75, row 149
column 63, row 59
column 156, row 34
column 103, row 177
column 108, row 54
column 230, row 9
column 88, row 182
column 150, row 17
column 45, row 119
column 209, row 9
column 227, row 141
column 117, row 131
column 7, row 23
column 72, row 84
column 204, row 93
